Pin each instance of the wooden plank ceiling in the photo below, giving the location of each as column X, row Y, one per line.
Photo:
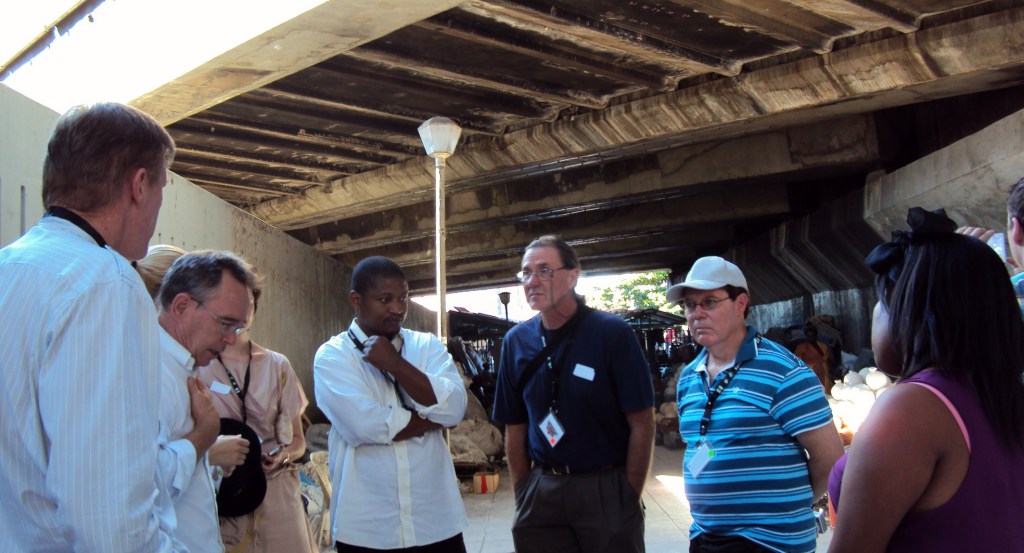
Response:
column 647, row 132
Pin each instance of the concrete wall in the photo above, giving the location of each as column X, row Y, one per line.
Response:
column 970, row 178
column 25, row 127
column 811, row 266
column 851, row 310
column 305, row 297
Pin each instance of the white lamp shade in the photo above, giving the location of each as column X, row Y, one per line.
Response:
column 440, row 135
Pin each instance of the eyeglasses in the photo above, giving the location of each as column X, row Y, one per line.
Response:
column 227, row 326
column 546, row 273
column 707, row 304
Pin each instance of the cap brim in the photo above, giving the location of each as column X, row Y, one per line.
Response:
column 676, row 292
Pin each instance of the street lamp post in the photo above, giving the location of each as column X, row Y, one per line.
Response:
column 505, row 297
column 440, row 135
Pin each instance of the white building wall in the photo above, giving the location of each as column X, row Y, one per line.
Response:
column 25, row 127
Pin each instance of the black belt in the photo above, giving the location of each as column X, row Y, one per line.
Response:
column 562, row 470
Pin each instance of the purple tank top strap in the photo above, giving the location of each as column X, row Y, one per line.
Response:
column 949, row 405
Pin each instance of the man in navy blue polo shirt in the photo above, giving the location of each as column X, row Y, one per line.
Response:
column 760, row 441
column 575, row 394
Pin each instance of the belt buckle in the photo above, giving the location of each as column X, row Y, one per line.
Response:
column 560, row 471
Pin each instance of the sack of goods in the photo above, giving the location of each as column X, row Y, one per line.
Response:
column 852, row 398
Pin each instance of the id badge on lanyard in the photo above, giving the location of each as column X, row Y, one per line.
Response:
column 550, row 427
column 705, row 450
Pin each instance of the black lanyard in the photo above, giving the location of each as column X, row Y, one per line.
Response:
column 387, row 376
column 243, row 391
column 555, row 366
column 78, row 221
column 556, row 373
column 705, row 421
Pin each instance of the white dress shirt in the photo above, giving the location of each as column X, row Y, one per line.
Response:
column 388, row 494
column 195, row 501
column 79, row 390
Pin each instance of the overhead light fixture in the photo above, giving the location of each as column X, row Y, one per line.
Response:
column 440, row 135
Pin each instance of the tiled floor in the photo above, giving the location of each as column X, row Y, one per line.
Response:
column 668, row 513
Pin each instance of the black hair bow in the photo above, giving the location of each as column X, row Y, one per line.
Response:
column 887, row 259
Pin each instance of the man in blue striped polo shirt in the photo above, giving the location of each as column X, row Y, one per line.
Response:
column 759, row 433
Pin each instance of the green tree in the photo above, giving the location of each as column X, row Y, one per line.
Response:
column 641, row 291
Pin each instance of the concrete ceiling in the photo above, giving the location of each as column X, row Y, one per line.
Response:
column 645, row 132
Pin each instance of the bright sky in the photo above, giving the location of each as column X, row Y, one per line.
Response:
column 487, row 302
column 20, row 26
column 131, row 46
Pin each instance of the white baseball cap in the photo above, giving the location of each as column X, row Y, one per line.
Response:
column 708, row 273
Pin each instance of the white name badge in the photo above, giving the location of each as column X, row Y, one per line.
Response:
column 705, row 452
column 220, row 388
column 551, row 429
column 584, row 372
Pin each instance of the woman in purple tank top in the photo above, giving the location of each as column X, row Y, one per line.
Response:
column 939, row 463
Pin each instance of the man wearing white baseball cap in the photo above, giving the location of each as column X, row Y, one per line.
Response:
column 759, row 432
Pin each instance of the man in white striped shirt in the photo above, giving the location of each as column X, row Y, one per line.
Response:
column 79, row 357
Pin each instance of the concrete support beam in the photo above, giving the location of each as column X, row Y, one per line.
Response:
column 642, row 254
column 690, row 225
column 822, row 251
column 637, row 263
column 319, row 34
column 813, row 265
column 685, row 171
column 821, row 257
column 969, row 178
column 930, row 63
column 593, row 256
column 864, row 15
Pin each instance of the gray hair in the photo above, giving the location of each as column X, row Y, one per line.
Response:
column 199, row 273
column 565, row 251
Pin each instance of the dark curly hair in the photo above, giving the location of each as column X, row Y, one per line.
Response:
column 964, row 323
column 372, row 270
